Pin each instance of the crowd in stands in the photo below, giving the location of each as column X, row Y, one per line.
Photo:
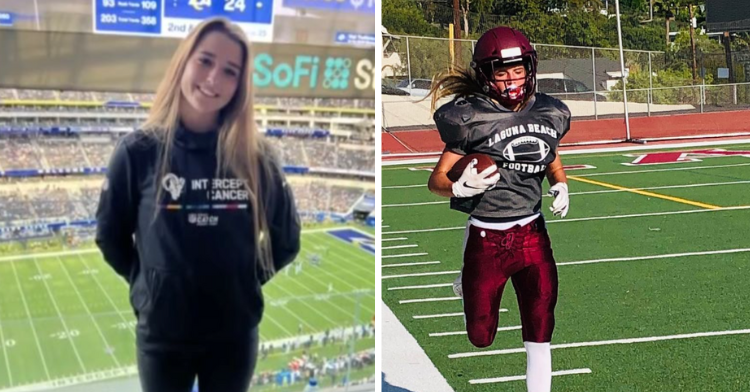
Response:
column 47, row 152
column 53, row 203
column 300, row 370
column 92, row 96
column 18, row 153
column 303, row 366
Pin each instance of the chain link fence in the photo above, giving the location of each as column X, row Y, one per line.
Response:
column 588, row 79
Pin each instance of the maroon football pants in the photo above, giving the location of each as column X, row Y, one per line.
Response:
column 524, row 255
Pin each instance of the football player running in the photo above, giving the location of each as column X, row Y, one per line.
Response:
column 496, row 112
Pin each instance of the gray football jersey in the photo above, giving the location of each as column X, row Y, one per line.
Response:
column 521, row 143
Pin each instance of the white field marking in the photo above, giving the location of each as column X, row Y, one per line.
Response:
column 420, row 274
column 439, row 299
column 622, row 172
column 75, row 380
column 48, row 254
column 394, row 239
column 340, row 309
column 402, row 255
column 399, row 246
column 587, row 219
column 358, row 257
column 86, row 307
column 384, row 226
column 426, row 286
column 404, row 186
column 294, row 315
column 427, row 203
column 608, row 260
column 410, row 264
column 589, row 151
column 31, row 321
column 521, row 378
column 106, row 294
column 323, row 284
column 357, row 254
column 459, row 314
column 666, row 256
column 607, row 342
column 662, row 170
column 95, row 250
column 596, row 192
column 5, row 354
column 501, row 329
column 62, row 319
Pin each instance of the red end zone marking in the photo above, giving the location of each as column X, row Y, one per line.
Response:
column 658, row 158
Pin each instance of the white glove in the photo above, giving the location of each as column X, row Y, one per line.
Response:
column 472, row 183
column 562, row 201
column 457, row 286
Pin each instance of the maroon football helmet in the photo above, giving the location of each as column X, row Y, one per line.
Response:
column 499, row 47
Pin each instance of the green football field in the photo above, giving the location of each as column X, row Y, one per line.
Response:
column 65, row 317
column 653, row 262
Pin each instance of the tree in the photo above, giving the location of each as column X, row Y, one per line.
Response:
column 404, row 17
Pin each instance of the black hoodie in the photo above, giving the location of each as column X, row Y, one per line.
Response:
column 193, row 276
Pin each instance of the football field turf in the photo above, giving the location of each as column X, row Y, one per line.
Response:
column 66, row 318
column 653, row 262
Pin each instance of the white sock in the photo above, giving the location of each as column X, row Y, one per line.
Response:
column 538, row 367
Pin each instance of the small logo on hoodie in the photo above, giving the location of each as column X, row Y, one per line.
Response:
column 173, row 185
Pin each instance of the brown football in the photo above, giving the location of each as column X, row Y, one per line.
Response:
column 483, row 161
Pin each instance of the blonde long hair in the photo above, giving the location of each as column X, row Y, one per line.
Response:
column 459, row 81
column 239, row 149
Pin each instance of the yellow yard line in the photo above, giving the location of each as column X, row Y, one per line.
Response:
column 646, row 193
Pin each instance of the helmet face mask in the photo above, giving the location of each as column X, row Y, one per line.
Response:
column 499, row 49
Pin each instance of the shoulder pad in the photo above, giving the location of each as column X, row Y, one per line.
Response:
column 452, row 120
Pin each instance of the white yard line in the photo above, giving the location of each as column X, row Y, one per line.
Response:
column 426, row 203
column 91, row 315
column 664, row 256
column 398, row 246
column 597, row 192
column 106, row 294
column 394, row 239
column 420, row 274
column 31, row 321
column 5, row 353
column 614, row 173
column 404, row 186
column 587, row 219
column 661, row 170
column 459, row 314
column 403, row 255
column 410, row 264
column 342, row 310
column 62, row 318
column 426, row 286
column 501, row 329
column 607, row 342
column 294, row 315
column 521, row 378
column 438, row 299
column 343, row 281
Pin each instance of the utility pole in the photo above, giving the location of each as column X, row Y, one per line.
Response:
column 728, row 51
column 692, row 44
column 457, row 31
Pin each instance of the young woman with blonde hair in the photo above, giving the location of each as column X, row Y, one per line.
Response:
column 196, row 215
column 496, row 111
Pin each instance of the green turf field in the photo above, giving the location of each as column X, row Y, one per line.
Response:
column 660, row 267
column 66, row 318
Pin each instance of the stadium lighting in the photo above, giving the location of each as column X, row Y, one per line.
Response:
column 622, row 71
